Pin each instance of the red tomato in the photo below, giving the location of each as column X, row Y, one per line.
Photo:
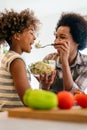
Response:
column 81, row 100
column 66, row 100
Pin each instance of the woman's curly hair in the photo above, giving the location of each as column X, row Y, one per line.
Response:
column 78, row 27
column 12, row 22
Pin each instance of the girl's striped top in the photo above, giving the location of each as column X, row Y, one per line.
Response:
column 8, row 94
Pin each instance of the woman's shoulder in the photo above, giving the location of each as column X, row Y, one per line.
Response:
column 83, row 58
column 51, row 56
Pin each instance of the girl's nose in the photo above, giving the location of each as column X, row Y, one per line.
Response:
column 34, row 37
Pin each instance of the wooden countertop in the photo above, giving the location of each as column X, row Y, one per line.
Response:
column 76, row 114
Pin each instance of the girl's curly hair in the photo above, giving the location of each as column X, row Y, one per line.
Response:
column 78, row 27
column 12, row 22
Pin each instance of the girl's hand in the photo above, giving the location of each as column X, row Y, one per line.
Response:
column 46, row 80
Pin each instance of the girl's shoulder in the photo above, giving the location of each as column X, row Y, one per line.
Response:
column 9, row 58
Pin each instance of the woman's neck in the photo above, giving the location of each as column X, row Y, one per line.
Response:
column 72, row 57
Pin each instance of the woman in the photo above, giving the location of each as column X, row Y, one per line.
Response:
column 18, row 30
column 71, row 65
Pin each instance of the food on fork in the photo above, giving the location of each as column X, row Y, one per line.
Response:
column 38, row 45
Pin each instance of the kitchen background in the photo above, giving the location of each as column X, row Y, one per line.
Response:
column 48, row 11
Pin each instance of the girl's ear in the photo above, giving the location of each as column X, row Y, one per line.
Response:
column 16, row 36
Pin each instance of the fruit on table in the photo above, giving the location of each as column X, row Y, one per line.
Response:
column 25, row 97
column 81, row 100
column 40, row 99
column 66, row 100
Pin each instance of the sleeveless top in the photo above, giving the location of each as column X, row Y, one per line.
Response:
column 8, row 93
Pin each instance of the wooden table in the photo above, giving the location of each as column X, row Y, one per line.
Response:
column 76, row 114
column 8, row 123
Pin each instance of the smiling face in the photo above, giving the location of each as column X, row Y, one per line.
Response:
column 63, row 34
column 27, row 39
column 21, row 42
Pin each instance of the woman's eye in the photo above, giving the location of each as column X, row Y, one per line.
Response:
column 63, row 37
column 56, row 37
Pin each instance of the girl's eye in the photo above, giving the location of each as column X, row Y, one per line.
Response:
column 32, row 32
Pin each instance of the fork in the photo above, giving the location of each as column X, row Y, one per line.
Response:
column 47, row 45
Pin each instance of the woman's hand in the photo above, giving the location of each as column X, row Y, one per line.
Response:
column 63, row 48
column 76, row 91
column 46, row 80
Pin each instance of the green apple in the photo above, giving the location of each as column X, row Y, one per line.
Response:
column 26, row 95
column 41, row 99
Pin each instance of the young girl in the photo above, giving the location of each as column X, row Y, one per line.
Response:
column 18, row 30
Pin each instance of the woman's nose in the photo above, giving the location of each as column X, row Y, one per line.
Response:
column 56, row 41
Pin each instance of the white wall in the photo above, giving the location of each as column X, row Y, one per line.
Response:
column 46, row 36
column 48, row 11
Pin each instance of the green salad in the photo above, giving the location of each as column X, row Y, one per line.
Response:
column 40, row 68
